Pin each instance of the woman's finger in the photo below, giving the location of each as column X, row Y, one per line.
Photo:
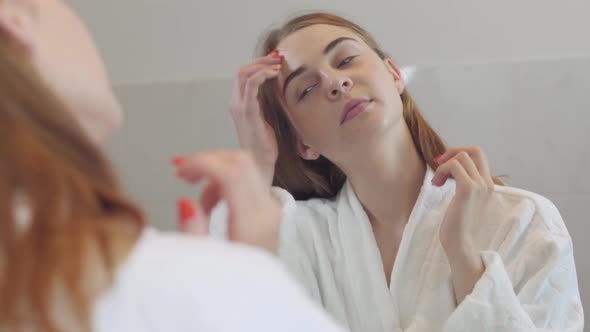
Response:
column 209, row 165
column 191, row 219
column 209, row 198
column 252, row 85
column 477, row 156
column 468, row 165
column 450, row 168
column 252, row 68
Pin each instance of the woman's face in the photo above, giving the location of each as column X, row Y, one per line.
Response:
column 337, row 92
column 61, row 48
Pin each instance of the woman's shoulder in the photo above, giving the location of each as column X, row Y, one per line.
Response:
column 167, row 263
column 305, row 217
column 529, row 206
column 173, row 252
column 320, row 207
column 301, row 221
column 171, row 276
column 178, row 282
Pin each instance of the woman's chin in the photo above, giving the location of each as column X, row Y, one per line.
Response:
column 371, row 125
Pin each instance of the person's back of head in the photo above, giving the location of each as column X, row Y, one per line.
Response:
column 64, row 223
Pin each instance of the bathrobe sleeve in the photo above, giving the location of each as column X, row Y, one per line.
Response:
column 532, row 287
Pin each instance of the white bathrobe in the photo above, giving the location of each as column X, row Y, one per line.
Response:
column 174, row 283
column 529, row 283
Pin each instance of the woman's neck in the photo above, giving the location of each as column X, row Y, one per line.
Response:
column 388, row 177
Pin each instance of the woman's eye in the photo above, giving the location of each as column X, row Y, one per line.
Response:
column 346, row 61
column 306, row 91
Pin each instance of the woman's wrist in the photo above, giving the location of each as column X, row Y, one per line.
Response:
column 466, row 269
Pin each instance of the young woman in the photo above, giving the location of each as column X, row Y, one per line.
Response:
column 75, row 253
column 386, row 228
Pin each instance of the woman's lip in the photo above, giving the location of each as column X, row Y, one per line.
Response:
column 354, row 108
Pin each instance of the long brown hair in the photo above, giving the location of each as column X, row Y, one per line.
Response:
column 306, row 179
column 64, row 223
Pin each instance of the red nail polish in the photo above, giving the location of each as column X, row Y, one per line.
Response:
column 186, row 210
column 437, row 158
column 177, row 161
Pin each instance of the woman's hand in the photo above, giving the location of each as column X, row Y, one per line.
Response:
column 253, row 215
column 474, row 187
column 254, row 133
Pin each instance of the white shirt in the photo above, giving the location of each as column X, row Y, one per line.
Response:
column 529, row 283
column 174, row 282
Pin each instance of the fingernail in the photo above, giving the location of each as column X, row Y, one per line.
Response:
column 186, row 211
column 439, row 180
column 437, row 158
column 177, row 161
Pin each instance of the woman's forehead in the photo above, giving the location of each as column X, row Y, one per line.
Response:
column 314, row 36
column 309, row 44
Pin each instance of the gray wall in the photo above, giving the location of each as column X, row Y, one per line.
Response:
column 162, row 121
column 178, row 40
column 532, row 118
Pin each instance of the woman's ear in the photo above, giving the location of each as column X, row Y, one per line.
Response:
column 397, row 75
column 17, row 23
column 306, row 152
